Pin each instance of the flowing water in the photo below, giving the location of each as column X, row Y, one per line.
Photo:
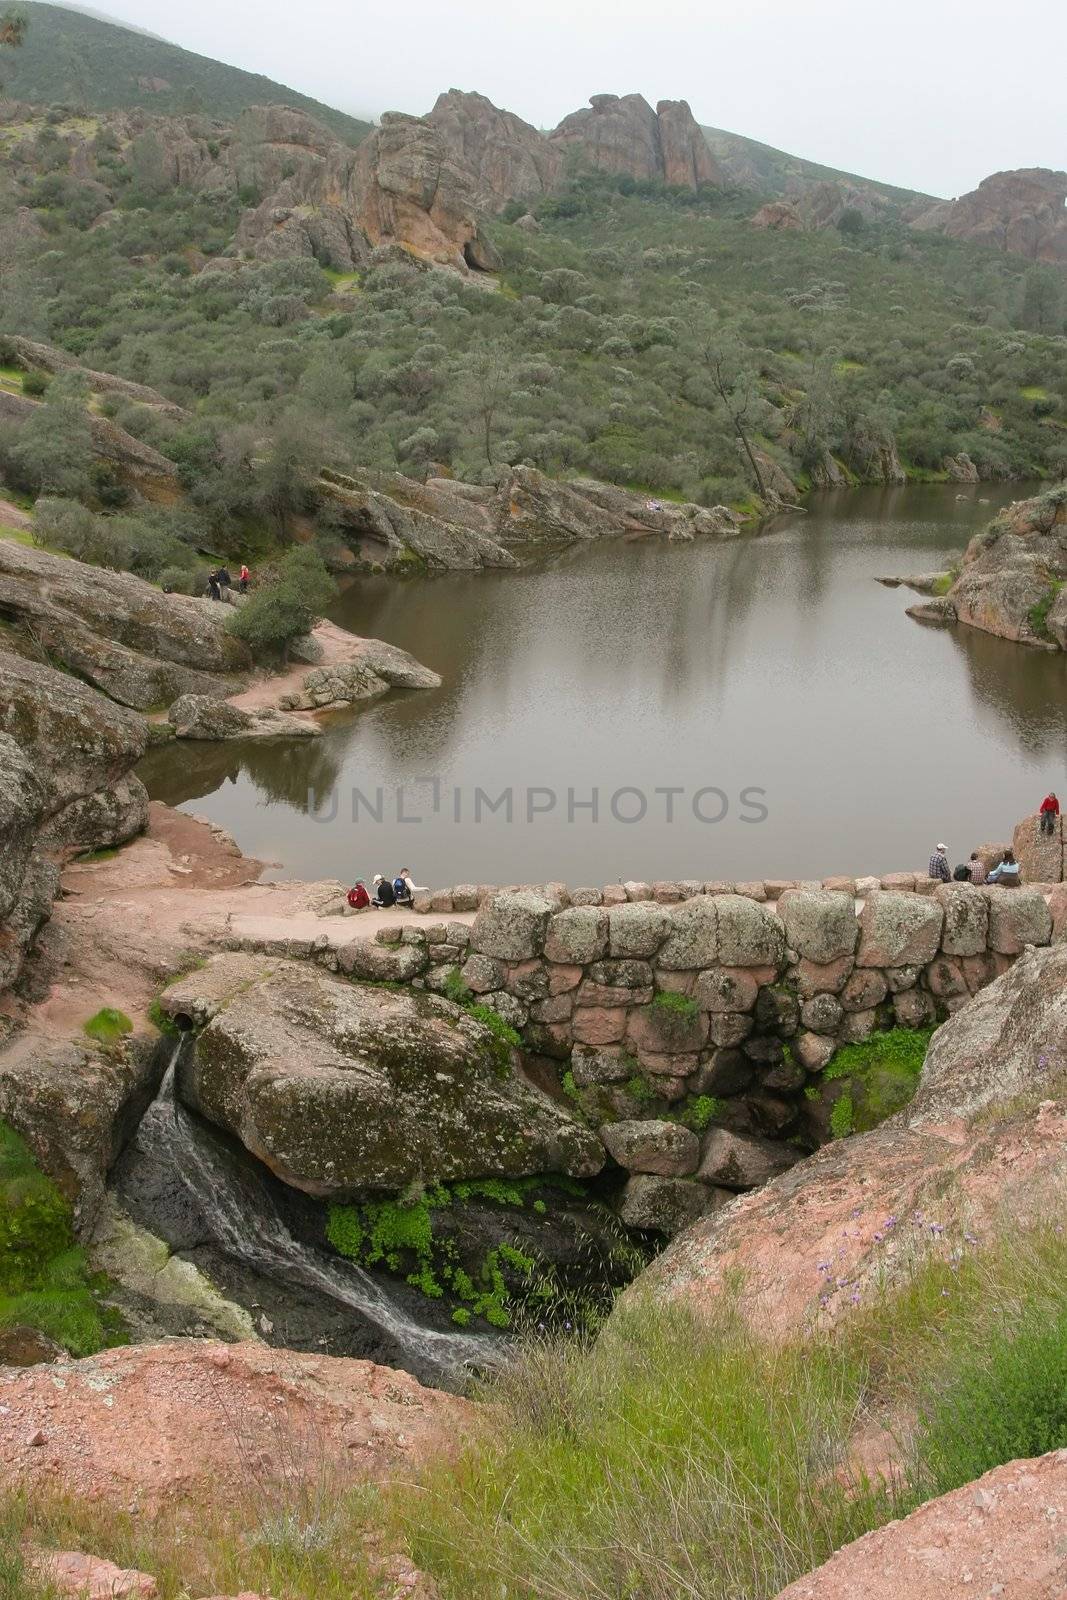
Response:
column 192, row 1186
column 768, row 675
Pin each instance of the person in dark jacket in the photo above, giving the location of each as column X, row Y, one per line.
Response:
column 384, row 894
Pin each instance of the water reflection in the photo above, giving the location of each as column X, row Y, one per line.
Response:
column 773, row 661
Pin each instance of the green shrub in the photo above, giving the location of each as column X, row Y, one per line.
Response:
column 700, row 1112
column 455, row 989
column 286, row 606
column 108, row 1025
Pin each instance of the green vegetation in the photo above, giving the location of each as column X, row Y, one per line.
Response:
column 631, row 334
column 44, row 1280
column 504, row 1036
column 675, row 1005
column 400, row 1236
column 91, row 64
column 1038, row 614
column 455, row 989
column 700, row 1112
column 108, row 1026
column 882, row 1074
column 673, row 1457
column 286, row 605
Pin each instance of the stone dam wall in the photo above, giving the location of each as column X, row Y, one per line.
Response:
column 641, row 1012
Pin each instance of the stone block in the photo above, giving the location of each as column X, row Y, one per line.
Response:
column 1017, row 917
column 819, row 924
column 966, row 927
column 741, row 1161
column 750, row 935
column 899, row 930
column 664, row 1148
column 729, row 1028
column 692, row 937
column 866, row 988
column 636, row 929
column 511, row 925
column 725, row 989
column 599, row 1025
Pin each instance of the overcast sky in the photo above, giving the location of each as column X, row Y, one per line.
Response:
column 929, row 94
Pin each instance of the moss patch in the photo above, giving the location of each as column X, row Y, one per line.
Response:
column 882, row 1074
column 44, row 1280
column 108, row 1026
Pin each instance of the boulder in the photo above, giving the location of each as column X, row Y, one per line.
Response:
column 511, row 925
column 1017, row 917
column 108, row 817
column 622, row 134
column 899, row 930
column 664, row 1149
column 76, row 1104
column 84, row 1577
column 819, row 924
column 998, row 1536
column 1020, row 211
column 666, row 1205
column 1040, row 855
column 344, row 1090
column 1011, row 1040
column 822, row 1013
column 742, row 1161
column 196, row 716
column 509, row 159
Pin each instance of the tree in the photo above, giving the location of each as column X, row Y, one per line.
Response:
column 733, row 390
column 54, row 449
column 488, row 378
column 288, row 603
column 1041, row 310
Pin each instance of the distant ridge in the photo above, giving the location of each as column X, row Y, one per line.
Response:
column 76, row 57
column 757, row 165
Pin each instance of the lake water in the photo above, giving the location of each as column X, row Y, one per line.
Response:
column 794, row 721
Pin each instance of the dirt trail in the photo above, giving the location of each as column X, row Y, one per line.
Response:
column 127, row 924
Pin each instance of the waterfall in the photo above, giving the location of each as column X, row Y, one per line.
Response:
column 236, row 1202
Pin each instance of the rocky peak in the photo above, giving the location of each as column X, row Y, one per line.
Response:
column 509, row 158
column 622, row 134
column 1021, row 212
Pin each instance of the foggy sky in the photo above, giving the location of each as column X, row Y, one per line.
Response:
column 928, row 94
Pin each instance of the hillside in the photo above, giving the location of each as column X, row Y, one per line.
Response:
column 761, row 166
column 72, row 58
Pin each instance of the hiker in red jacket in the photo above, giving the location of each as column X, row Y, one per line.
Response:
column 1050, row 810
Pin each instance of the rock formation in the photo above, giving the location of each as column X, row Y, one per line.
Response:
column 117, row 632
column 624, row 136
column 346, row 1090
column 509, row 159
column 63, row 745
column 388, row 519
column 808, row 204
column 1013, row 580
column 1020, row 212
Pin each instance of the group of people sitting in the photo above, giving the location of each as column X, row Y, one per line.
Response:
column 1006, row 871
column 398, row 891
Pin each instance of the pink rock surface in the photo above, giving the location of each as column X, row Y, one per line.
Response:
column 117, row 1427
column 1001, row 1536
column 70, row 1572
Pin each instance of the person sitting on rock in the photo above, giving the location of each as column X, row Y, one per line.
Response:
column 939, row 867
column 1050, row 810
column 384, row 893
column 357, row 897
column 976, row 868
column 962, row 873
column 1006, row 872
column 405, row 889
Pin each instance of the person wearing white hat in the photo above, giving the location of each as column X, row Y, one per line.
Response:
column 384, row 893
column 939, row 867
